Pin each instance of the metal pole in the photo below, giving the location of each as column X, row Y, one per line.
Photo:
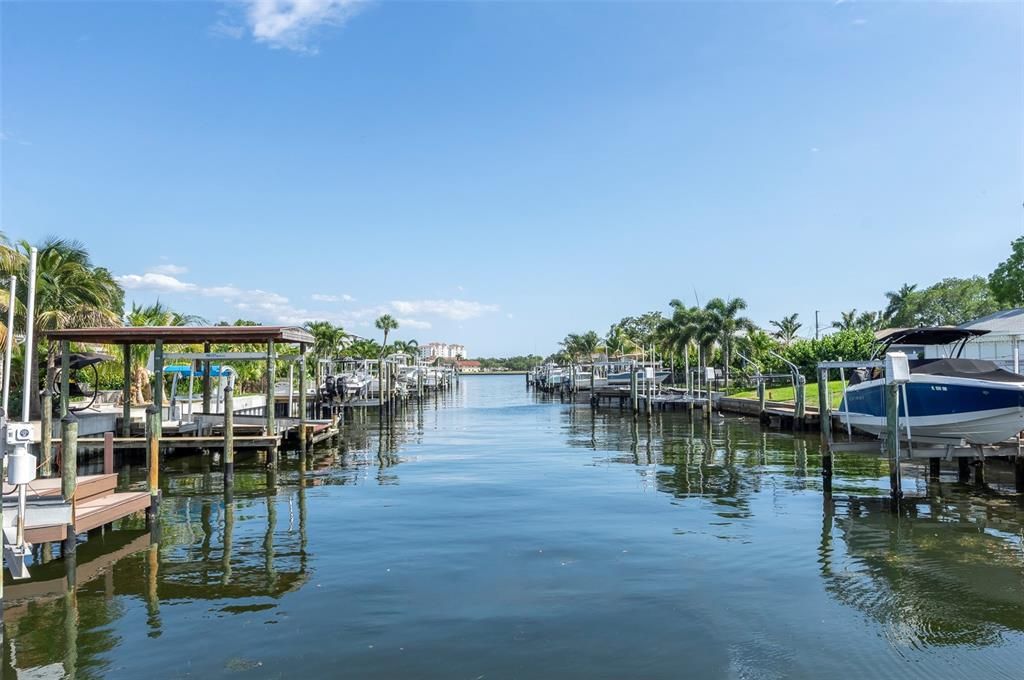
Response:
column 10, row 343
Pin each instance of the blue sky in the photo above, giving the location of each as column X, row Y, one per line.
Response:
column 499, row 174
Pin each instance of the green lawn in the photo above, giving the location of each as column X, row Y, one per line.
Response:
column 785, row 393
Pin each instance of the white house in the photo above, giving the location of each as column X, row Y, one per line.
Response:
column 1001, row 344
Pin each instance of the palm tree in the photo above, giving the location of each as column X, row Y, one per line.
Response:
column 70, row 292
column 898, row 301
column 156, row 314
column 787, row 328
column 409, row 347
column 328, row 342
column 386, row 323
column 722, row 322
column 617, row 343
column 847, row 321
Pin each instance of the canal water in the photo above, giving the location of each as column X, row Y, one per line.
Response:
column 499, row 534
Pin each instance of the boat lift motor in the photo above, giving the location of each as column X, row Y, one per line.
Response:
column 21, row 471
column 329, row 388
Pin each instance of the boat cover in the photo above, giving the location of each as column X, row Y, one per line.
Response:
column 977, row 369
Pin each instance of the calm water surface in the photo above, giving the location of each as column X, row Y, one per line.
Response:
column 496, row 534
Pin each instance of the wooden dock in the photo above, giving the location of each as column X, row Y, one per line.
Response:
column 96, row 503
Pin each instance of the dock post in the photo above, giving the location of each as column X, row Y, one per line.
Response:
column 800, row 408
column 762, row 394
column 153, row 418
column 69, row 474
column 126, row 391
column 207, row 379
column 229, row 434
column 892, row 442
column 46, row 429
column 825, row 421
column 634, row 392
column 158, row 386
column 934, row 467
column 271, row 379
column 65, row 376
column 963, row 468
column 302, row 399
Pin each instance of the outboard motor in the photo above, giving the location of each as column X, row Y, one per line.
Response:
column 329, row 388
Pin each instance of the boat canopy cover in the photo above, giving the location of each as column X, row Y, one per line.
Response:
column 976, row 369
column 187, row 370
column 80, row 360
column 926, row 335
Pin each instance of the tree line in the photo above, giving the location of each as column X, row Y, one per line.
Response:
column 717, row 334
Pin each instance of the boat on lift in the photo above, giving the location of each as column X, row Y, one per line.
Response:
column 947, row 399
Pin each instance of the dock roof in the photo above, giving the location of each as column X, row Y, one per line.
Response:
column 184, row 335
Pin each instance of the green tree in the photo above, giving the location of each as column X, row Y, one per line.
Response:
column 70, row 292
column 787, row 328
column 897, row 308
column 1007, row 281
column 386, row 323
column 721, row 320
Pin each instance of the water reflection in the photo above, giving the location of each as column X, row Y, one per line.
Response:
column 491, row 532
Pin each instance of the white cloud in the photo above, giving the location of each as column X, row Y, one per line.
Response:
column 456, row 310
column 154, row 281
column 413, row 323
column 322, row 297
column 288, row 24
column 171, row 269
column 859, row 22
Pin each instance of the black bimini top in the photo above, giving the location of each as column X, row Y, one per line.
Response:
column 977, row 369
column 926, row 335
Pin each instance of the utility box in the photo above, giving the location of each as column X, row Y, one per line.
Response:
column 709, row 373
column 897, row 368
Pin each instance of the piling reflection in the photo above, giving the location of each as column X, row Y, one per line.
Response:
column 230, row 547
column 947, row 570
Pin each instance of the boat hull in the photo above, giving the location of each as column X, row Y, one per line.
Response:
column 977, row 411
column 624, row 377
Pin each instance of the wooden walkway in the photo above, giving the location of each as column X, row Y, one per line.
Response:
column 96, row 504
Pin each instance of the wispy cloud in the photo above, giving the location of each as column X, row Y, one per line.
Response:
column 322, row 297
column 859, row 22
column 456, row 310
column 155, row 281
column 171, row 269
column 413, row 323
column 287, row 24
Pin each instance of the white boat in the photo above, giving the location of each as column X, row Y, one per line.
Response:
column 950, row 399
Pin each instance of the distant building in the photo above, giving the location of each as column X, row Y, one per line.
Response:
column 469, row 366
column 442, row 350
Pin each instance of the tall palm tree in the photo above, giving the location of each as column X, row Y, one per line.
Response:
column 723, row 322
column 787, row 328
column 617, row 343
column 847, row 321
column 386, row 323
column 898, row 301
column 156, row 314
column 328, row 343
column 70, row 292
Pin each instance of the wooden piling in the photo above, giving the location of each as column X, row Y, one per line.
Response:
column 934, row 467
column 207, row 380
column 158, row 387
column 69, row 474
column 892, row 442
column 634, row 391
column 963, row 469
column 302, row 399
column 46, row 429
column 126, row 391
column 229, row 434
column 65, row 376
column 271, row 380
column 825, row 421
column 153, row 426
column 800, row 408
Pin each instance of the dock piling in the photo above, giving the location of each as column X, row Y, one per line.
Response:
column 892, row 442
column 825, row 422
column 229, row 434
column 153, row 418
column 69, row 474
column 46, row 428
